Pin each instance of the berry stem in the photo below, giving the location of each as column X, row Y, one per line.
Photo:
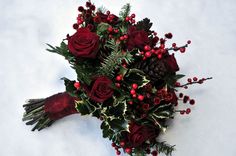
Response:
column 194, row 82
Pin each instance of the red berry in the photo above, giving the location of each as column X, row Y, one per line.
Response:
column 134, row 86
column 140, row 97
column 118, row 85
column 127, row 19
column 128, row 150
column 110, row 29
column 116, row 30
column 189, row 80
column 75, row 26
column 133, row 16
column 169, row 35
column 113, row 144
column 119, row 78
column 182, row 50
column 118, row 152
column 134, row 95
column 126, row 36
column 133, row 21
column 122, row 38
column 192, row 101
column 195, row 78
column 81, row 9
column 189, row 41
column 181, row 95
column 188, row 110
column 77, row 85
column 132, row 92
column 173, row 45
column 108, row 12
column 148, row 54
column 147, row 48
column 122, row 144
column 177, row 84
column 154, row 153
column 182, row 112
column 131, row 102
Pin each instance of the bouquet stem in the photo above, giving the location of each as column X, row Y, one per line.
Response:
column 45, row 111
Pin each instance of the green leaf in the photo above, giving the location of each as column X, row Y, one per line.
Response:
column 119, row 125
column 102, row 28
column 84, row 108
column 179, row 76
column 62, row 50
column 136, row 76
column 114, row 60
column 70, row 89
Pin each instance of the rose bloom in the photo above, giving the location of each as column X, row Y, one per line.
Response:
column 140, row 133
column 84, row 43
column 171, row 63
column 137, row 38
column 101, row 89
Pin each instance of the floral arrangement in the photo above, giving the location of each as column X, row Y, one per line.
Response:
column 126, row 77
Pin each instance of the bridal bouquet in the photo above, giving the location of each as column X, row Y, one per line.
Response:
column 126, row 77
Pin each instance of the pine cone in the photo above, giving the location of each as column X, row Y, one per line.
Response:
column 154, row 68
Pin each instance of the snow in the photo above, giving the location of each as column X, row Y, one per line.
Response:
column 28, row 71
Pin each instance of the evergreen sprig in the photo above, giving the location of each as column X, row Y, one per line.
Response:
column 162, row 147
column 125, row 11
column 114, row 60
column 63, row 51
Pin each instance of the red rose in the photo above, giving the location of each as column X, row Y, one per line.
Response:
column 84, row 43
column 139, row 134
column 137, row 38
column 60, row 105
column 171, row 63
column 101, row 89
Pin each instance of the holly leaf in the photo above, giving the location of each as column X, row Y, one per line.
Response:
column 84, row 108
column 119, row 125
column 136, row 76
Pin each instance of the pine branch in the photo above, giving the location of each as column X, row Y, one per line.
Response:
column 125, row 11
column 167, row 149
column 114, row 60
column 62, row 50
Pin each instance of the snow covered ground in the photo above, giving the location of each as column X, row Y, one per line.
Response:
column 27, row 71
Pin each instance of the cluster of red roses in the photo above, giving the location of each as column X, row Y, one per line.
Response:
column 126, row 77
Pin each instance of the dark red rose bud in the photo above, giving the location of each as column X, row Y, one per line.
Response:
column 60, row 105
column 84, row 43
column 101, row 89
column 169, row 35
column 81, row 9
column 140, row 133
column 137, row 38
column 171, row 63
column 88, row 4
column 92, row 7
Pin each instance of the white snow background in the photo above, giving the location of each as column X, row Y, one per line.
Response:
column 28, row 71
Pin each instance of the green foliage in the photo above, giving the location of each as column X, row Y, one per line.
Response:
column 84, row 72
column 62, row 50
column 125, row 11
column 163, row 112
column 102, row 28
column 102, row 9
column 136, row 76
column 84, row 106
column 167, row 149
column 114, row 60
column 70, row 89
column 171, row 79
column 145, row 25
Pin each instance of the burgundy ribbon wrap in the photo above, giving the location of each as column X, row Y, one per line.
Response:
column 60, row 105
